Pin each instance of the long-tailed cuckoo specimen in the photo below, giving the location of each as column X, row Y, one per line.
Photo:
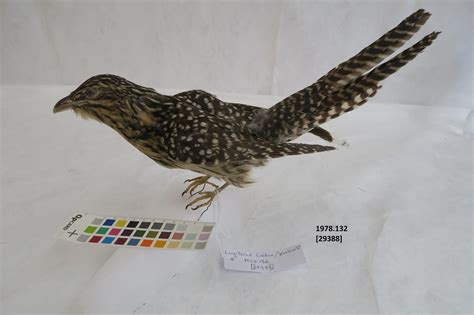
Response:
column 194, row 130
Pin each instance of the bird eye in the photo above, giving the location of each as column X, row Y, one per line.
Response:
column 90, row 92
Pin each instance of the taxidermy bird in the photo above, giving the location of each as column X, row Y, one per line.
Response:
column 194, row 130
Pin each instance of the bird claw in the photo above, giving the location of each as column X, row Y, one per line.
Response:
column 209, row 195
column 192, row 193
column 206, row 197
column 195, row 183
column 193, row 179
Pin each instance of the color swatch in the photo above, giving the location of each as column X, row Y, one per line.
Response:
column 135, row 232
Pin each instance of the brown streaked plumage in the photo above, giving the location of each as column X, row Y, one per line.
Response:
column 195, row 130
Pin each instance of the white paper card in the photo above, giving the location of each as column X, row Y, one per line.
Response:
column 264, row 261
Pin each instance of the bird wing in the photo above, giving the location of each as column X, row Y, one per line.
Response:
column 219, row 147
column 239, row 113
column 210, row 140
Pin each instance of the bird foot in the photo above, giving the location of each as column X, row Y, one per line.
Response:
column 195, row 183
column 206, row 197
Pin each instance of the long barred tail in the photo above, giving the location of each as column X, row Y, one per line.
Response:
column 359, row 90
column 343, row 88
column 373, row 54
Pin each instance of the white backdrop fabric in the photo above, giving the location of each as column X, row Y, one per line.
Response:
column 403, row 186
column 250, row 47
column 404, row 189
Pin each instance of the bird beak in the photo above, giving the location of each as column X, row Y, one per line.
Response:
column 64, row 104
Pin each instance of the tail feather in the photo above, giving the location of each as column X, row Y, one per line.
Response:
column 383, row 47
column 344, row 88
column 363, row 61
column 357, row 92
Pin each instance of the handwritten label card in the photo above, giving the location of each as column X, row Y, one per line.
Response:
column 263, row 261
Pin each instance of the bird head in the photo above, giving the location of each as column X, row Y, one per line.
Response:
column 101, row 96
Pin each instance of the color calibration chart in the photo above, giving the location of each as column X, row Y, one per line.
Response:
column 136, row 232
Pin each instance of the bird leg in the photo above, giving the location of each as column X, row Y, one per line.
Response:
column 195, row 183
column 207, row 197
